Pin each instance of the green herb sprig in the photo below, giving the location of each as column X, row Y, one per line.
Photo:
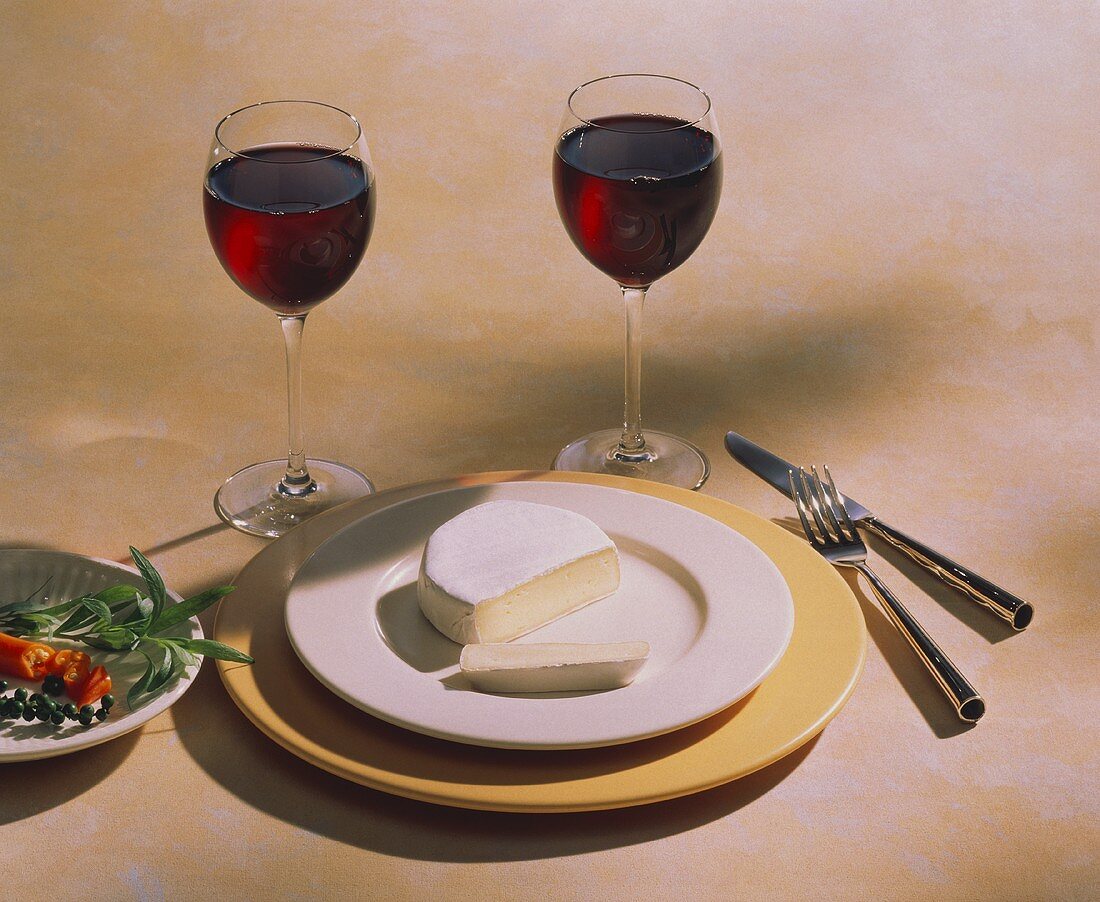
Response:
column 122, row 619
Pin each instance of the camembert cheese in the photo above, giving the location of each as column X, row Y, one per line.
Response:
column 552, row 666
column 503, row 569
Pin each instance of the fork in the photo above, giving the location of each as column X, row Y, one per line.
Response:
column 831, row 532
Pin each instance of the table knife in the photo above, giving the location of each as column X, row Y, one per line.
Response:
column 773, row 470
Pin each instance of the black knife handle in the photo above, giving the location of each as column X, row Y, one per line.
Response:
column 1004, row 604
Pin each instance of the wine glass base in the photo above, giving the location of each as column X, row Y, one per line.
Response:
column 666, row 458
column 251, row 500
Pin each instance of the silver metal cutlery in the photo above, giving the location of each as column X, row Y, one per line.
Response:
column 773, row 470
column 831, row 531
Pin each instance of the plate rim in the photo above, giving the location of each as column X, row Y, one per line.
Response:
column 102, row 733
column 596, row 738
column 670, row 775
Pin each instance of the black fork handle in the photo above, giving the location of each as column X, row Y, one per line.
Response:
column 969, row 705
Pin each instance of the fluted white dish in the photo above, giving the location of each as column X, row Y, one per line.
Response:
column 24, row 571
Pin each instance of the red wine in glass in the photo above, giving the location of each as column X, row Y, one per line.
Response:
column 637, row 175
column 637, row 193
column 288, row 197
column 289, row 235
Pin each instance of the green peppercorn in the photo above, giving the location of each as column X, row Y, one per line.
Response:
column 102, row 714
column 85, row 720
column 107, row 701
column 3, row 685
column 57, row 718
column 87, row 710
column 53, row 685
column 20, row 694
column 15, row 708
column 28, row 714
column 69, row 710
column 42, row 713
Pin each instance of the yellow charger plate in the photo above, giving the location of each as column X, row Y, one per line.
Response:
column 805, row 691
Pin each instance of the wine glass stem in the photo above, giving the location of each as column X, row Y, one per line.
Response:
column 297, row 480
column 632, row 441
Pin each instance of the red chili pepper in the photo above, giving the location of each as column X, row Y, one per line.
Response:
column 97, row 685
column 23, row 658
column 73, row 668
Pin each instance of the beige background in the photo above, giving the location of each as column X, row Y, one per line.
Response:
column 901, row 282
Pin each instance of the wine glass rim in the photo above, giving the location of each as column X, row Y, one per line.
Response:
column 251, row 106
column 673, row 128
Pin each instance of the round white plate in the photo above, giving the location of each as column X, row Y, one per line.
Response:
column 23, row 571
column 715, row 610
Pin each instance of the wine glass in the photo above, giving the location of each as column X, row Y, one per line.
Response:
column 637, row 178
column 289, row 199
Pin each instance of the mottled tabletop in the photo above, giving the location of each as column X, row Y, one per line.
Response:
column 901, row 282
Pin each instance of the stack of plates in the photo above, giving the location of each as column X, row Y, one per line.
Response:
column 756, row 645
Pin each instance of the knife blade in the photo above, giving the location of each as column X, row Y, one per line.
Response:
column 774, row 469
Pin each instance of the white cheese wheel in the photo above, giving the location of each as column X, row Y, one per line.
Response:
column 552, row 666
column 503, row 569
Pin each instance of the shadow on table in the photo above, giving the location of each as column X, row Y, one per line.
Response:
column 32, row 787
column 150, row 551
column 17, row 545
column 273, row 780
column 793, row 370
column 178, row 542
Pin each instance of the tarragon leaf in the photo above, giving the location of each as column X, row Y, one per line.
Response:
column 93, row 642
column 152, row 579
column 18, row 624
column 188, row 608
column 138, row 621
column 100, row 609
column 80, row 618
column 140, row 687
column 167, row 670
column 115, row 594
column 115, row 638
column 210, row 649
column 36, row 623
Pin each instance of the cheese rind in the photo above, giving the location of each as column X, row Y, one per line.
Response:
column 552, row 666
column 500, row 570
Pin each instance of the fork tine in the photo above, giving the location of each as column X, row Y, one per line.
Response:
column 814, row 505
column 823, row 499
column 800, row 505
column 849, row 526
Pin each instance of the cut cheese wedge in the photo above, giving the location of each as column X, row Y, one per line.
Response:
column 503, row 569
column 552, row 666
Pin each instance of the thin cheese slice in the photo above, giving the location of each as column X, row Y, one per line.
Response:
column 552, row 666
column 503, row 569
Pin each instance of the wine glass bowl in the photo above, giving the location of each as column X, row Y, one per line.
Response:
column 637, row 191
column 289, row 202
column 289, row 219
column 637, row 175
